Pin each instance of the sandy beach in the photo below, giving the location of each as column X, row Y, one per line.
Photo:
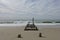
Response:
column 11, row 33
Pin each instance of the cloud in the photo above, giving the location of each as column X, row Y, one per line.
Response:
column 22, row 8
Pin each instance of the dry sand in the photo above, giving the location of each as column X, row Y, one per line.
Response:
column 11, row 33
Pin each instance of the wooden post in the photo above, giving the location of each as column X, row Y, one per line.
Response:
column 19, row 36
column 40, row 34
column 33, row 21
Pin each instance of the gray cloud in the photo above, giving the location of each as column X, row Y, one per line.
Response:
column 42, row 9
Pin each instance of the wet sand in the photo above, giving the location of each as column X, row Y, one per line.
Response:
column 11, row 33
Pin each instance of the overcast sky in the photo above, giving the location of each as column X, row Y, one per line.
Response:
column 42, row 9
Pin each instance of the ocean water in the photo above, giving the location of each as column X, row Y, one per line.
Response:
column 42, row 25
column 19, row 22
column 24, row 23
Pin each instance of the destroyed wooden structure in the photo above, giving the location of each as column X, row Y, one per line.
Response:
column 31, row 26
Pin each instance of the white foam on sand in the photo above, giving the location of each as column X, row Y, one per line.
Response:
column 37, row 24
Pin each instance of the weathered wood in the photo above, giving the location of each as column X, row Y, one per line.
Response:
column 40, row 34
column 19, row 36
column 31, row 26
